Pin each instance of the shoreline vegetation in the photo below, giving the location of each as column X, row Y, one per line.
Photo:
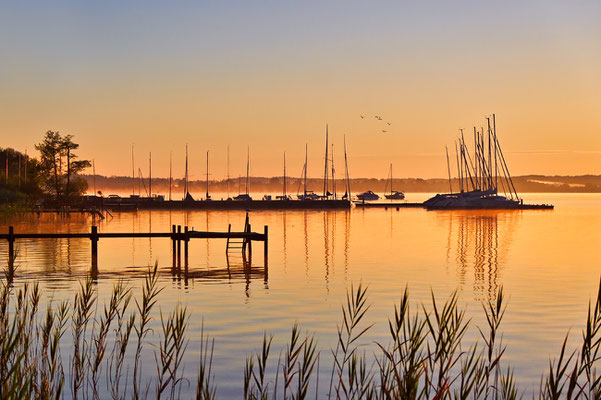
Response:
column 425, row 356
column 53, row 177
column 524, row 184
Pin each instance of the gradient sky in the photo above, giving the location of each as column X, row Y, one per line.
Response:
column 272, row 74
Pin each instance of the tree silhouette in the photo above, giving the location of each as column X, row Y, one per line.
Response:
column 56, row 177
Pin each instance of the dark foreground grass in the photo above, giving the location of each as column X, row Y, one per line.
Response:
column 423, row 359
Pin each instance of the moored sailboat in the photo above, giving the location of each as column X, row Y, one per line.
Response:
column 394, row 194
column 245, row 196
column 481, row 177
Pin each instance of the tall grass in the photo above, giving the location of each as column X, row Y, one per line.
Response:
column 425, row 356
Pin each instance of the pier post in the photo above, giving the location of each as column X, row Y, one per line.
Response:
column 265, row 251
column 265, row 244
column 179, row 247
column 250, row 246
column 186, row 240
column 11, row 245
column 173, row 245
column 94, row 242
column 227, row 244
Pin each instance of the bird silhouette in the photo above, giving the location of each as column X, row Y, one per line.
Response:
column 383, row 131
column 388, row 123
column 378, row 117
column 362, row 116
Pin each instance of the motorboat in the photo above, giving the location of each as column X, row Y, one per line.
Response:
column 368, row 196
column 243, row 197
column 395, row 195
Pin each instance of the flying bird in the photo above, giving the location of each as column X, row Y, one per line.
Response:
column 388, row 123
column 383, row 131
column 362, row 116
column 378, row 117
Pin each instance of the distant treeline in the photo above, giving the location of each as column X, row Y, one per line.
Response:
column 524, row 184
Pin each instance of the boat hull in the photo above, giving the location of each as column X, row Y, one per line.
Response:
column 395, row 196
column 479, row 200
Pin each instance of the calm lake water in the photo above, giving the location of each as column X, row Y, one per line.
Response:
column 548, row 262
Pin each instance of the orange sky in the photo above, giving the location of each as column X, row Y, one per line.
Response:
column 271, row 76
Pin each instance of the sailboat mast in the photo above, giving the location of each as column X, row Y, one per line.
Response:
column 494, row 132
column 93, row 172
column 333, row 173
column 149, row 175
column 510, row 184
column 247, row 166
column 325, row 171
column 170, row 173
column 207, row 197
column 388, row 180
column 228, row 171
column 458, row 169
column 467, row 161
column 284, row 188
column 483, row 156
column 306, row 149
column 391, row 178
column 133, row 173
column 448, row 169
column 490, row 170
column 476, row 164
column 186, row 174
column 346, row 172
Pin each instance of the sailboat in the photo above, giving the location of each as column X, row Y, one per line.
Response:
column 481, row 176
column 284, row 195
column 187, row 195
column 208, row 196
column 245, row 196
column 347, row 189
column 394, row 194
column 307, row 194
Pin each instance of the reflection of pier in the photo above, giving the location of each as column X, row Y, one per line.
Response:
column 237, row 268
column 480, row 245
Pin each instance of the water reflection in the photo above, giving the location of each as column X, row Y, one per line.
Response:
column 482, row 244
column 326, row 249
column 477, row 245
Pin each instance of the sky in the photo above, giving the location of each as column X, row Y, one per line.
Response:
column 269, row 76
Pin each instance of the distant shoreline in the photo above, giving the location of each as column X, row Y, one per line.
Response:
column 523, row 183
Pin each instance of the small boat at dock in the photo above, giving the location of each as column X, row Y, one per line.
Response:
column 394, row 194
column 368, row 196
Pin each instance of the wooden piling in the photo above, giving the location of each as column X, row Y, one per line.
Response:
column 186, row 240
column 173, row 245
column 94, row 243
column 227, row 244
column 266, row 251
column 250, row 246
column 179, row 247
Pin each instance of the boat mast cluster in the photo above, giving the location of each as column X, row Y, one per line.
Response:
column 486, row 169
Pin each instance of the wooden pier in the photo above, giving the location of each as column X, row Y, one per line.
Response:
column 388, row 205
column 177, row 236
